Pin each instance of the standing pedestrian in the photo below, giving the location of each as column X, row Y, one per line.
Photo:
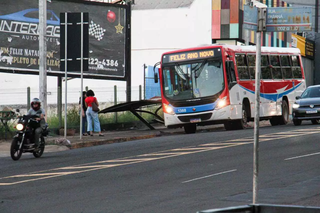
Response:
column 83, row 110
column 92, row 116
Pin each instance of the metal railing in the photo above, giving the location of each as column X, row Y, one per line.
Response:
column 261, row 208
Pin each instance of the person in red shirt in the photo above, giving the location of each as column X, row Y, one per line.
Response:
column 92, row 117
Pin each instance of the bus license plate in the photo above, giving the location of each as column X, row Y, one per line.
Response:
column 195, row 120
column 311, row 111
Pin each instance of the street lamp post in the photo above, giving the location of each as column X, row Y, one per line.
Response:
column 43, row 53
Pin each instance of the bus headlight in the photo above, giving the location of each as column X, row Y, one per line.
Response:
column 295, row 106
column 221, row 103
column 168, row 109
column 19, row 127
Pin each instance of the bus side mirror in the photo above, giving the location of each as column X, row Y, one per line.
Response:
column 156, row 79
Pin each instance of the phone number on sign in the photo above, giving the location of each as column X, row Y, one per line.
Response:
column 104, row 62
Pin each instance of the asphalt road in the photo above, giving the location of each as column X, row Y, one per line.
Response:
column 178, row 173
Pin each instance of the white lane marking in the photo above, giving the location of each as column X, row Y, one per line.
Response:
column 216, row 174
column 302, row 156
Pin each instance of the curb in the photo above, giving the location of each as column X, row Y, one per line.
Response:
column 110, row 141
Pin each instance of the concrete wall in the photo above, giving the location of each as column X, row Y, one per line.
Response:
column 157, row 31
column 317, row 60
column 308, row 66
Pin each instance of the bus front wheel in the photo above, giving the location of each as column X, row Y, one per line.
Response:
column 243, row 122
column 190, row 128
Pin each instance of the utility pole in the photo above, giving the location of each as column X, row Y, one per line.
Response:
column 128, row 65
column 246, row 31
column 316, row 27
column 43, row 54
column 261, row 28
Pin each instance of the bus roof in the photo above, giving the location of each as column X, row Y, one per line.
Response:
column 235, row 48
column 242, row 49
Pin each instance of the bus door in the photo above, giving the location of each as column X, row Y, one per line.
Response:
column 268, row 92
column 297, row 75
column 288, row 77
column 245, row 84
column 251, row 58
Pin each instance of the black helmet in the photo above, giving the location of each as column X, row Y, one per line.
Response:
column 36, row 100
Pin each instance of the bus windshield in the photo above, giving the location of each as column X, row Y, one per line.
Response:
column 193, row 80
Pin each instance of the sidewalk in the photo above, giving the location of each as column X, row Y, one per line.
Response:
column 59, row 143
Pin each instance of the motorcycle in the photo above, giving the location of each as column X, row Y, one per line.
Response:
column 23, row 141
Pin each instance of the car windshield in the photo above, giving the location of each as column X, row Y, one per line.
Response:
column 193, row 80
column 311, row 92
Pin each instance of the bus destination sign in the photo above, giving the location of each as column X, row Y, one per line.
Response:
column 191, row 55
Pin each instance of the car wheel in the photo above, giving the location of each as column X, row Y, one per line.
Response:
column 315, row 121
column 297, row 122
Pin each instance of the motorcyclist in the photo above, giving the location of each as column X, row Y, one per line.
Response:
column 37, row 110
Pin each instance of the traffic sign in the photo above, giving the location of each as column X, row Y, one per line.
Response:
column 250, row 18
column 289, row 19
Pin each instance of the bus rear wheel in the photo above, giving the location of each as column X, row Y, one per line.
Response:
column 283, row 119
column 274, row 121
column 190, row 128
column 285, row 113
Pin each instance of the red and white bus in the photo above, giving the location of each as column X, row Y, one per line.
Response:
column 216, row 85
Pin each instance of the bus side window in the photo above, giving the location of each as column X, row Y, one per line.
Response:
column 285, row 66
column 265, row 70
column 242, row 67
column 296, row 68
column 276, row 69
column 252, row 65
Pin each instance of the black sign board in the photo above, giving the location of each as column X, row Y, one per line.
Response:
column 108, row 37
column 310, row 47
column 72, row 31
